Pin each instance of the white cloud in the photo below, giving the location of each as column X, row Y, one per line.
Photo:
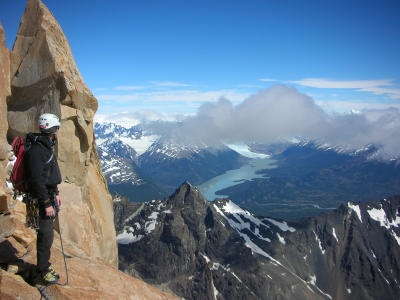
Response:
column 186, row 96
column 249, row 86
column 332, row 84
column 127, row 88
column 169, row 83
column 282, row 111
column 268, row 80
column 129, row 119
column 394, row 93
column 381, row 86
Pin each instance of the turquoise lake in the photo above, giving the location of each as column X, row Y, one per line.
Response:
column 233, row 177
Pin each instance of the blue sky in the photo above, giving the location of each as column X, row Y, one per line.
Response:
column 172, row 56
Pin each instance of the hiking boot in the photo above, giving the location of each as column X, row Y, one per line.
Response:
column 51, row 269
column 50, row 278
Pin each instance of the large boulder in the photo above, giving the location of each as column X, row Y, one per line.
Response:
column 45, row 79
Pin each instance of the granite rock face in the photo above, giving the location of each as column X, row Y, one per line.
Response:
column 199, row 250
column 40, row 76
column 45, row 79
column 5, row 92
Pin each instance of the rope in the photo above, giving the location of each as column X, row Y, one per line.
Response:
column 65, row 263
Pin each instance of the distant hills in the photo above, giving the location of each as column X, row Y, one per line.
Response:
column 312, row 178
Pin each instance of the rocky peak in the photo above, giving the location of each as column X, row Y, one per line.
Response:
column 187, row 196
column 195, row 248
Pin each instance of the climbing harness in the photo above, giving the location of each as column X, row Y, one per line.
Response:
column 32, row 212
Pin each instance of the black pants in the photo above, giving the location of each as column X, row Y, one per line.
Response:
column 45, row 236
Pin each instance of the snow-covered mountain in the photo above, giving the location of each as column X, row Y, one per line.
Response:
column 118, row 148
column 117, row 169
column 111, row 130
column 164, row 158
column 134, row 137
column 126, row 178
column 173, row 158
column 119, row 161
column 172, row 162
column 369, row 152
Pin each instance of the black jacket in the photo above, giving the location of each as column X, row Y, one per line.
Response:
column 42, row 169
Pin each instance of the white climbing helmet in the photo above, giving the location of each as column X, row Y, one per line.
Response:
column 48, row 123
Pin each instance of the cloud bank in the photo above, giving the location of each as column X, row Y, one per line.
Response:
column 282, row 111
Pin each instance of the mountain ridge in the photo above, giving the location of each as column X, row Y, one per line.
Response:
column 158, row 155
column 199, row 249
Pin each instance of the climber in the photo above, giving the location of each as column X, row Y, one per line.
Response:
column 43, row 174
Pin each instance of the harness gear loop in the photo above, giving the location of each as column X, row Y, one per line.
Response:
column 32, row 212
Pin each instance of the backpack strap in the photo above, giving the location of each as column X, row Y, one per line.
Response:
column 52, row 152
column 51, row 157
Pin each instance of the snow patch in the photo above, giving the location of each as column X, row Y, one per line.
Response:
column 384, row 277
column 313, row 281
column 357, row 209
column 100, row 141
column 334, row 234
column 238, row 214
column 215, row 290
column 140, row 145
column 151, row 224
column 282, row 225
column 216, row 266
column 380, row 216
column 206, row 258
column 238, row 227
column 127, row 237
column 319, row 243
column 281, row 239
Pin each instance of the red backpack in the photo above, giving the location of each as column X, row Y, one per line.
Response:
column 19, row 146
